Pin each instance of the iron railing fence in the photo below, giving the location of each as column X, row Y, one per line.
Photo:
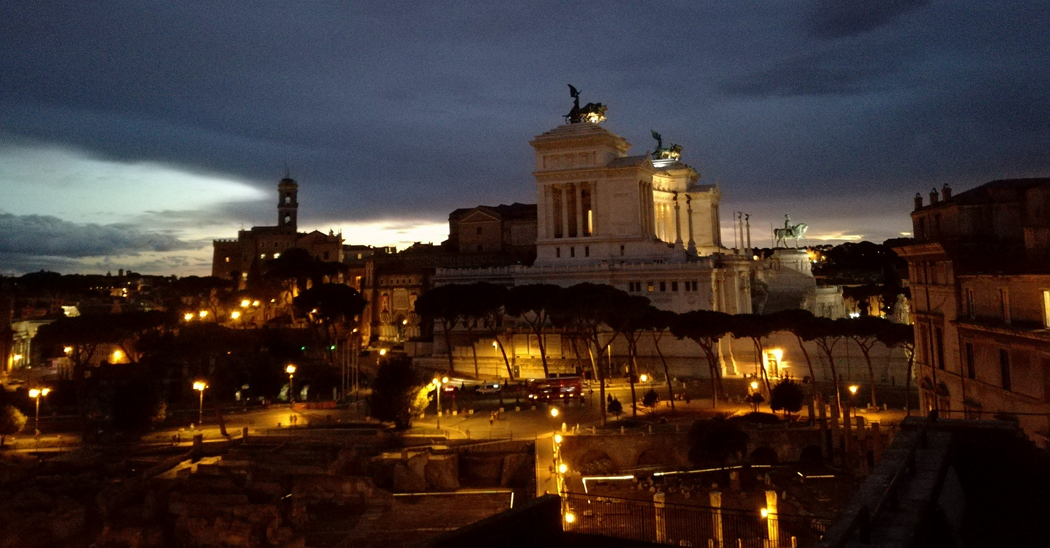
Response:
column 686, row 525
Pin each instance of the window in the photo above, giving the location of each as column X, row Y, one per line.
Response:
column 1004, row 367
column 622, row 248
column 277, row 255
column 557, row 252
column 262, row 255
column 971, row 306
column 326, row 255
column 1004, row 304
column 971, row 369
column 674, row 286
column 663, row 286
column 938, row 340
column 480, row 248
column 572, row 251
column 588, row 213
column 1046, row 308
column 586, row 251
column 227, row 259
column 651, row 286
column 479, row 231
column 556, row 205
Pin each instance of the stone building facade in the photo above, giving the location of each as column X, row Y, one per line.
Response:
column 980, row 292
column 234, row 258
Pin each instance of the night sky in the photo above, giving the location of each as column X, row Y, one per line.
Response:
column 133, row 133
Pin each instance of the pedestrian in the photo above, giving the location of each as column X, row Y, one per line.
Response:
column 609, row 398
column 492, row 418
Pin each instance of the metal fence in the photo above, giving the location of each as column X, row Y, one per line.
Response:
column 686, row 525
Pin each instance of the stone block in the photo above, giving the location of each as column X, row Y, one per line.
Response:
column 407, row 481
column 442, row 473
column 417, row 463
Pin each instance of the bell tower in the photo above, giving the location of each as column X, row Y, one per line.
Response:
column 288, row 203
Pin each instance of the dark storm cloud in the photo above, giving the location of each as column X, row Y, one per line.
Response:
column 841, row 69
column 51, row 236
column 407, row 110
column 831, row 19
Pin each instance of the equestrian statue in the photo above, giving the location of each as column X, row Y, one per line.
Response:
column 789, row 231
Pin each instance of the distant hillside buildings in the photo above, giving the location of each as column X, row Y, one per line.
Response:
column 232, row 259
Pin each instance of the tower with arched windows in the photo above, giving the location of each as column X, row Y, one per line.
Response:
column 288, row 204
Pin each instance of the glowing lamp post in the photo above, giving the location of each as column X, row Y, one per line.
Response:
column 199, row 386
column 290, row 369
column 35, row 393
column 437, row 383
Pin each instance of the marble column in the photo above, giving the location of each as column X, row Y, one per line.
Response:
column 689, row 215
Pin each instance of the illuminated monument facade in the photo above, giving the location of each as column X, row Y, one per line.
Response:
column 643, row 223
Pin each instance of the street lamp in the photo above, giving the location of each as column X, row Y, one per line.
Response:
column 35, row 393
column 852, row 395
column 290, row 369
column 200, row 386
column 188, row 316
column 437, row 383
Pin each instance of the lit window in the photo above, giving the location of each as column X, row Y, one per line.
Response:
column 1046, row 308
column 227, row 259
column 262, row 256
column 276, row 255
column 651, row 286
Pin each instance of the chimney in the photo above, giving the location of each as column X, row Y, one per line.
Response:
column 918, row 201
column 946, row 192
column 933, row 197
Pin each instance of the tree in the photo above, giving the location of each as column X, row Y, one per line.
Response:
column 532, row 303
column 716, row 440
column 492, row 307
column 11, row 422
column 629, row 320
column 754, row 327
column 787, row 396
column 865, row 331
column 826, row 334
column 659, row 322
column 795, row 321
column 616, row 408
column 443, row 304
column 332, row 307
column 479, row 304
column 395, row 391
column 584, row 308
column 705, row 328
column 902, row 336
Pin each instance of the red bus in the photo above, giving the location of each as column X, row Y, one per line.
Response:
column 557, row 388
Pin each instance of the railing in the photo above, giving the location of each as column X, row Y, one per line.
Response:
column 861, row 520
column 686, row 525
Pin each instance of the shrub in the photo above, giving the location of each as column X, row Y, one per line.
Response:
column 787, row 396
column 650, row 398
column 11, row 422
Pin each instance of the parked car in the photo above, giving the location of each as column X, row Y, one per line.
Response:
column 490, row 388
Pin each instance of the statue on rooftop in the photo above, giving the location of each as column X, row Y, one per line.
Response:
column 672, row 152
column 795, row 231
column 591, row 112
